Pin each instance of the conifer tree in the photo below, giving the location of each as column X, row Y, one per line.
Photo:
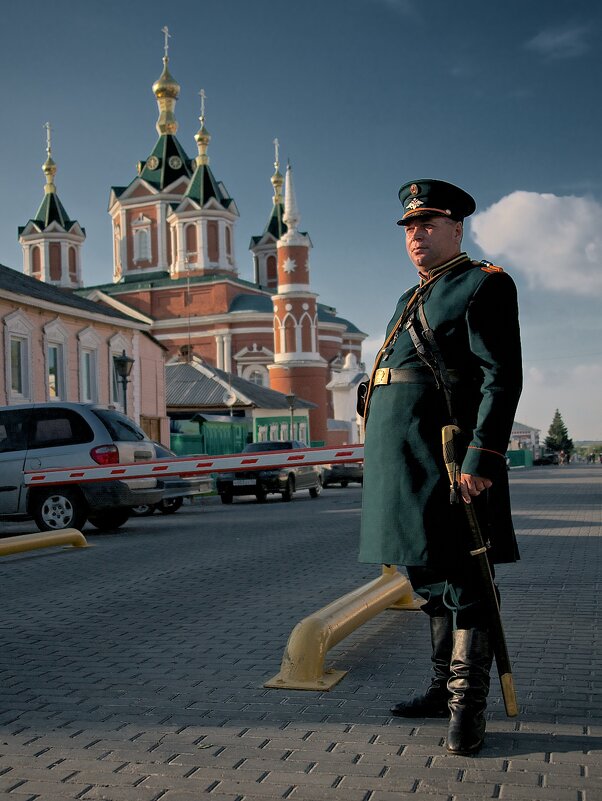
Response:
column 558, row 436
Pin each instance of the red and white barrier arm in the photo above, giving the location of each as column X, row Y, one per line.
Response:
column 271, row 460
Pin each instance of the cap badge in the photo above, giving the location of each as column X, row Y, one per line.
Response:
column 414, row 190
column 415, row 204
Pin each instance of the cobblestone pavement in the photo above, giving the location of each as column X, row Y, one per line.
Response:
column 133, row 670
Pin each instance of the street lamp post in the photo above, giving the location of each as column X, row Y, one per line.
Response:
column 291, row 405
column 123, row 365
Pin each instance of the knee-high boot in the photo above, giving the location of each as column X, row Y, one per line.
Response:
column 433, row 704
column 468, row 685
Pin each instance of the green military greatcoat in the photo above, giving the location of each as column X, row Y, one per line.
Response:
column 407, row 518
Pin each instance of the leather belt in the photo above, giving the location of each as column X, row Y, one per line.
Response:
column 401, row 375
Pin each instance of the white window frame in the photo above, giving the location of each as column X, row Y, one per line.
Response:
column 18, row 328
column 117, row 344
column 302, row 432
column 56, row 336
column 88, row 345
column 262, row 371
column 141, row 233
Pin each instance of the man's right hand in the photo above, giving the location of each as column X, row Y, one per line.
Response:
column 472, row 486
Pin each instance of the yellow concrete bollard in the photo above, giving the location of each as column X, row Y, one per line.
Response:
column 45, row 539
column 302, row 665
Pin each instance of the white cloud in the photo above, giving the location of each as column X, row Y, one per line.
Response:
column 555, row 242
column 560, row 42
column 575, row 391
column 370, row 348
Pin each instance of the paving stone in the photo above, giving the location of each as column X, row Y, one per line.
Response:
column 145, row 680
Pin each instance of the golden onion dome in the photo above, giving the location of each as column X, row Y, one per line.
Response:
column 202, row 138
column 166, row 85
column 49, row 169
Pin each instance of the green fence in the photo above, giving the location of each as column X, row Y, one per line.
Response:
column 214, row 439
column 520, row 458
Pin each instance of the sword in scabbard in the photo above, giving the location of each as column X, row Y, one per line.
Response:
column 478, row 552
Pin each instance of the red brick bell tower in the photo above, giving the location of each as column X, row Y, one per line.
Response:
column 298, row 368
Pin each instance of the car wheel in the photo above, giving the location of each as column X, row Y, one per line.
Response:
column 289, row 490
column 57, row 509
column 169, row 506
column 344, row 483
column 314, row 492
column 226, row 497
column 144, row 510
column 109, row 519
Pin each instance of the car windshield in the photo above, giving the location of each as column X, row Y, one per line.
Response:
column 120, row 427
column 256, row 447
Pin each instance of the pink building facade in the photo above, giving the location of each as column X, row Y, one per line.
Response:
column 56, row 346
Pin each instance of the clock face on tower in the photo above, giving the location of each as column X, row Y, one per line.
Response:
column 175, row 162
column 152, row 163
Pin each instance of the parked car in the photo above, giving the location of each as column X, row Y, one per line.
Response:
column 45, row 435
column 286, row 480
column 546, row 458
column 175, row 488
column 342, row 473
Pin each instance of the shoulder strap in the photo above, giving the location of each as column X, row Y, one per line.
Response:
column 428, row 351
column 417, row 298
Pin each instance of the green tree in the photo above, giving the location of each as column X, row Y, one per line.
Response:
column 558, row 436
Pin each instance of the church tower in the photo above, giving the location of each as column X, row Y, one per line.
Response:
column 298, row 367
column 202, row 225
column 52, row 242
column 142, row 241
column 264, row 247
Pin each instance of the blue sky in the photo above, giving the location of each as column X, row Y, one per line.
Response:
column 363, row 95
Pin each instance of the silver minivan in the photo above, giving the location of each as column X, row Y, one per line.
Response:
column 39, row 436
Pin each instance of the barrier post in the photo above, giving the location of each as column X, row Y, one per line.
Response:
column 31, row 542
column 302, row 665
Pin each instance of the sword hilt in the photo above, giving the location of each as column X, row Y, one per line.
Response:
column 448, row 441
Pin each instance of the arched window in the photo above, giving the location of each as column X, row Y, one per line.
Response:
column 256, row 377
column 212, row 241
column 72, row 264
column 306, row 334
column 141, row 245
column 36, row 262
column 191, row 245
column 272, row 272
column 55, row 261
column 229, row 243
column 290, row 334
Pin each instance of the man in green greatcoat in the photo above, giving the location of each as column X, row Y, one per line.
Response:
column 474, row 378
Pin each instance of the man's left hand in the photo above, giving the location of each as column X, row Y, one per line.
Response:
column 471, row 486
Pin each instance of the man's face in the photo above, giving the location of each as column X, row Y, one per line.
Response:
column 431, row 241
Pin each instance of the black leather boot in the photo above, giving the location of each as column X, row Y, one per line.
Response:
column 468, row 685
column 433, row 704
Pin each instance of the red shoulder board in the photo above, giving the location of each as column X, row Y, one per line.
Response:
column 491, row 268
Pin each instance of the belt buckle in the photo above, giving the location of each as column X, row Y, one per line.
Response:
column 382, row 376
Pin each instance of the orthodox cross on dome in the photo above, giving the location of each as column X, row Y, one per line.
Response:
column 203, row 97
column 48, row 138
column 277, row 179
column 167, row 34
column 49, row 167
column 202, row 137
column 289, row 266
